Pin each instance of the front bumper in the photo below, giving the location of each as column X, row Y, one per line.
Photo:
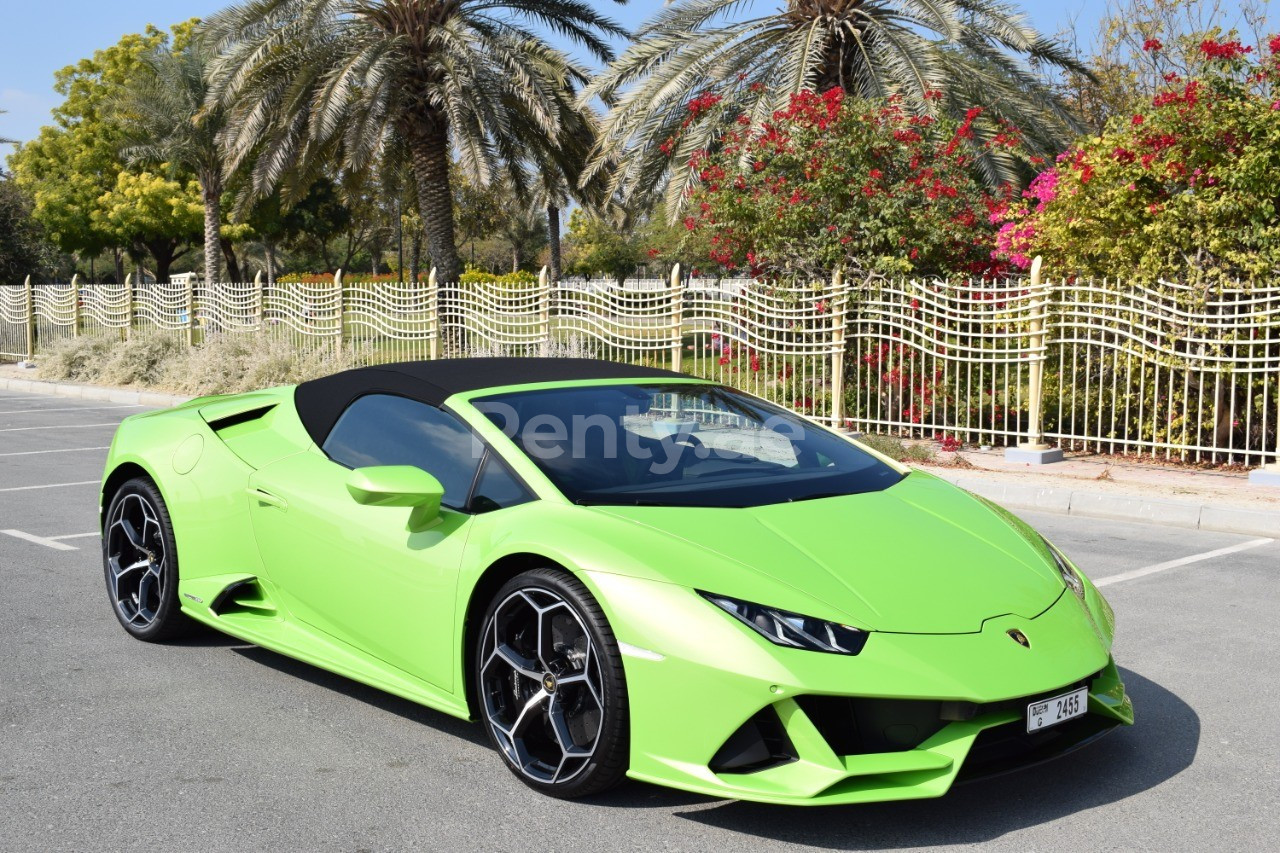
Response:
column 924, row 709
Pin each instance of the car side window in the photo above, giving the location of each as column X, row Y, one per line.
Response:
column 381, row 429
column 497, row 487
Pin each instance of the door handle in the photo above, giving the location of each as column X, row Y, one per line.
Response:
column 267, row 498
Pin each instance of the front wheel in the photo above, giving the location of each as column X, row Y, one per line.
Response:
column 552, row 691
column 140, row 560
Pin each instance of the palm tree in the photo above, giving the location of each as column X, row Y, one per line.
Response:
column 165, row 117
column 970, row 51
column 311, row 78
column 558, row 166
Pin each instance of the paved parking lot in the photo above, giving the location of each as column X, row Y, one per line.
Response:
column 107, row 743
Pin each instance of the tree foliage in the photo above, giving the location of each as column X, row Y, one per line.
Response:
column 311, row 79
column 161, row 214
column 1184, row 188
column 23, row 248
column 77, row 159
column 970, row 51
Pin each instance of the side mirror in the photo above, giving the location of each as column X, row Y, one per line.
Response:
column 399, row 485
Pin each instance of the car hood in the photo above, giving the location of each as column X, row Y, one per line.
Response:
column 919, row 557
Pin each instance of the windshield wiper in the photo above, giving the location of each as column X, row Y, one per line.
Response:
column 817, row 497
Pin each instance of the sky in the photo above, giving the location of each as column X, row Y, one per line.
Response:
column 37, row 37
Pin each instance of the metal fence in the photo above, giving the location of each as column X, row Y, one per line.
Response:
column 1115, row 367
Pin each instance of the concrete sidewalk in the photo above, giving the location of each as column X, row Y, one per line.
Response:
column 1082, row 485
column 1126, row 490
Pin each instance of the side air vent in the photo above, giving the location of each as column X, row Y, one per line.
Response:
column 246, row 596
column 758, row 744
column 219, row 424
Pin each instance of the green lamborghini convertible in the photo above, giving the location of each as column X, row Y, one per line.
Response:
column 620, row 571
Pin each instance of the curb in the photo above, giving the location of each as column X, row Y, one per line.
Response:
column 123, row 396
column 1120, row 507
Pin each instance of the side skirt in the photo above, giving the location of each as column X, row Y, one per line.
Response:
column 301, row 643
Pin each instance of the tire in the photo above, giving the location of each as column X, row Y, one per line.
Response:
column 552, row 694
column 140, row 564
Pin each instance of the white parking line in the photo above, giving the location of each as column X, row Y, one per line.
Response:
column 73, row 409
column 40, row 540
column 64, row 450
column 57, row 426
column 1183, row 561
column 75, row 536
column 50, row 486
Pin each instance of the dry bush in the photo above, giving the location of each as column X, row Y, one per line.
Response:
column 232, row 363
column 140, row 361
column 75, row 359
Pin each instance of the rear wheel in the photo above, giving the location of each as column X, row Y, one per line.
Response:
column 140, row 561
column 552, row 691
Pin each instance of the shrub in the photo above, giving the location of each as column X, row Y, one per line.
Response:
column 75, row 359
column 1184, row 188
column 230, row 364
column 896, row 448
column 833, row 181
column 140, row 361
column 223, row 364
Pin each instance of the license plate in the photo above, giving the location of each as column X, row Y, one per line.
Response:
column 1049, row 712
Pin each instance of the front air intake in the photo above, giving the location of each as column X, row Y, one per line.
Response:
column 758, row 744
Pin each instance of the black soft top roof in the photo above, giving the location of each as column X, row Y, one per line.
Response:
column 321, row 402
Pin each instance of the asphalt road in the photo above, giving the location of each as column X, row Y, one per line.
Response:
column 107, row 743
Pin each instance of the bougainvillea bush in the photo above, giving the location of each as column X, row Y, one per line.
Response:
column 1187, row 188
column 839, row 182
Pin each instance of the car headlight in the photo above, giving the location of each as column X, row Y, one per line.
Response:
column 785, row 628
column 1069, row 576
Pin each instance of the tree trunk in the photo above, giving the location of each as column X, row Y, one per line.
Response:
column 234, row 272
column 271, row 261
column 164, row 252
column 415, row 255
column 212, row 227
column 517, row 255
column 118, row 256
column 553, row 240
column 429, row 149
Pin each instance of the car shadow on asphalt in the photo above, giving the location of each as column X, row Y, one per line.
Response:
column 1129, row 761
column 411, row 711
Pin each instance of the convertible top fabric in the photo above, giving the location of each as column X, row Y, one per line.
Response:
column 321, row 402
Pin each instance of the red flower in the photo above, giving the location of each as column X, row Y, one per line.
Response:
column 1152, row 44
column 1223, row 49
column 1138, row 120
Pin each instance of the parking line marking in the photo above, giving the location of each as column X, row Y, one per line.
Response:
column 1183, row 561
column 50, row 486
column 39, row 540
column 64, row 450
column 72, row 409
column 74, row 536
column 57, row 426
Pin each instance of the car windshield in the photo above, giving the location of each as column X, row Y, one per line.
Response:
column 680, row 445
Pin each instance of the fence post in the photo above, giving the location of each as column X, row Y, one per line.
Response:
column 544, row 311
column 260, row 307
column 128, row 307
column 191, row 312
column 342, row 308
column 677, row 319
column 31, row 320
column 433, row 315
column 839, row 306
column 75, row 305
column 1034, row 450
